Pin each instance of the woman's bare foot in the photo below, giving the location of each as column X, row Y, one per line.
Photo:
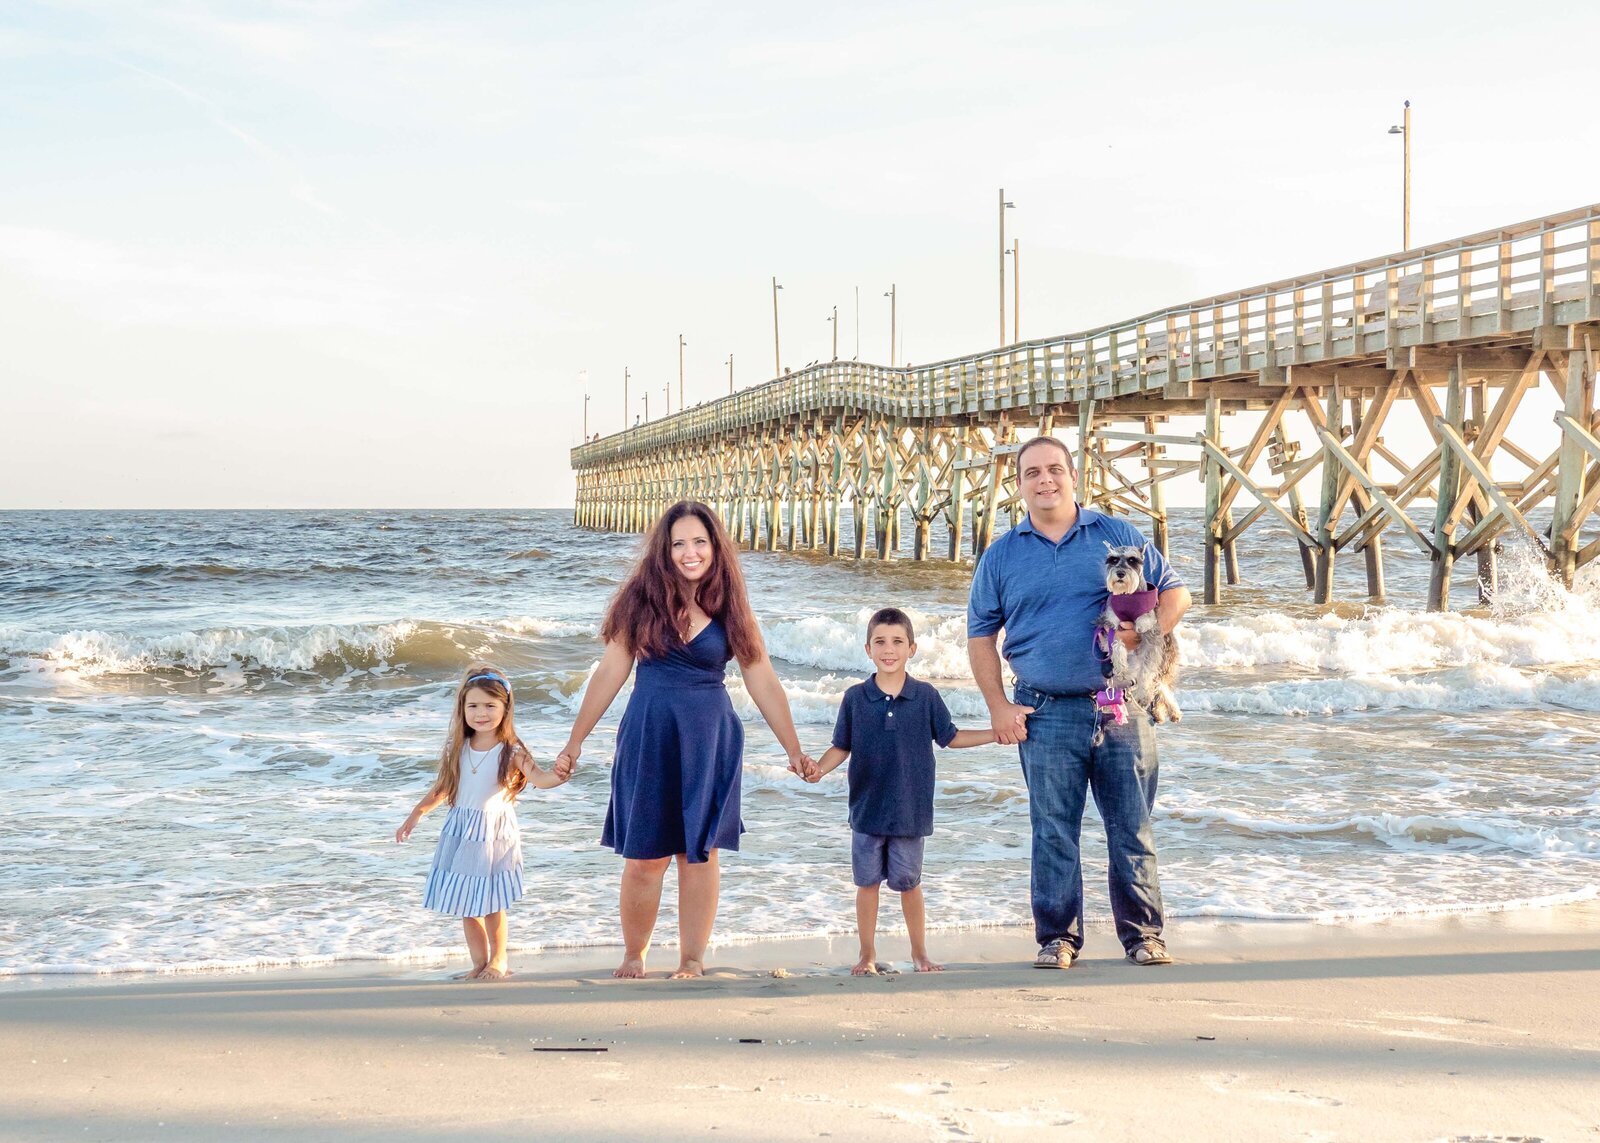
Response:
column 689, row 969
column 631, row 968
column 469, row 974
column 494, row 972
column 925, row 963
column 866, row 966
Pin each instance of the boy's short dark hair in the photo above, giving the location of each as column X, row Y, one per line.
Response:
column 891, row 617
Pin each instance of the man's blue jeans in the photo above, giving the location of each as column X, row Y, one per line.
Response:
column 1060, row 767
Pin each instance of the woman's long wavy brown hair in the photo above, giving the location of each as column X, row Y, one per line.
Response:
column 511, row 777
column 650, row 612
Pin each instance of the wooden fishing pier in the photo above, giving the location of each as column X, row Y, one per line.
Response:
column 1456, row 335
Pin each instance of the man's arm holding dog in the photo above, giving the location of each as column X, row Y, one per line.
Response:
column 1170, row 608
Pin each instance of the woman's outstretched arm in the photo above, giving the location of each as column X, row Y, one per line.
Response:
column 615, row 665
column 762, row 682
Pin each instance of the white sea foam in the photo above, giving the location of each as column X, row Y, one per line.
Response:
column 314, row 647
column 1394, row 911
column 835, row 644
column 1410, row 831
column 1534, row 623
column 1481, row 686
column 549, row 628
column 1564, row 631
column 96, row 652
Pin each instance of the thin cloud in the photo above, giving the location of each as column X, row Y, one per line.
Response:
column 127, row 285
column 299, row 188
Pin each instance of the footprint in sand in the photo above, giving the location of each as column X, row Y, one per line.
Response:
column 1301, row 1097
column 942, row 1087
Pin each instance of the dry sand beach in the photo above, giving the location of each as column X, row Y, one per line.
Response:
column 1457, row 1028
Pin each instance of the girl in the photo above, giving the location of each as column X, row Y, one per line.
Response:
column 682, row 614
column 477, row 867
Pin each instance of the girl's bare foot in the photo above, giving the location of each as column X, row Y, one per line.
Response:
column 925, row 964
column 631, row 968
column 689, row 969
column 469, row 974
column 866, row 966
column 494, row 972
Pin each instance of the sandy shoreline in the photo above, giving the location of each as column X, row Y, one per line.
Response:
column 1474, row 1028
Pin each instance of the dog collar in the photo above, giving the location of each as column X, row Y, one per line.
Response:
column 1135, row 605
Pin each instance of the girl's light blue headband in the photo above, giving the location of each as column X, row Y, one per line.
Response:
column 490, row 675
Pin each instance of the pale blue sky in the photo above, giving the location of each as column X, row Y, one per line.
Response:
column 349, row 254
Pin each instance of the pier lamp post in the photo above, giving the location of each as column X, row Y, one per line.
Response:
column 624, row 398
column 681, row 344
column 834, row 321
column 1004, row 206
column 777, row 354
column 730, row 374
column 1016, row 291
column 647, row 406
column 890, row 294
column 1403, row 129
column 583, row 378
column 666, row 396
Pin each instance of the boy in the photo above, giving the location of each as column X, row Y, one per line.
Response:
column 887, row 726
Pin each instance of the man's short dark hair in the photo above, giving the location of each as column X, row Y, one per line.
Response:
column 891, row 617
column 1046, row 439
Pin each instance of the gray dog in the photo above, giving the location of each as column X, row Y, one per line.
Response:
column 1149, row 672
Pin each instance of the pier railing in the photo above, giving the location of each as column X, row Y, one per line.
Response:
column 1492, row 285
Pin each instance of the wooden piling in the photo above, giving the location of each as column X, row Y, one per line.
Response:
column 1214, row 525
column 1449, row 488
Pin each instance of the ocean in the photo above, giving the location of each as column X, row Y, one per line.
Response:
column 213, row 722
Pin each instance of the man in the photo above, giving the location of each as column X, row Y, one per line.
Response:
column 1043, row 582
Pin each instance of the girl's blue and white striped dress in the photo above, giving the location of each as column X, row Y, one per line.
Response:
column 477, row 867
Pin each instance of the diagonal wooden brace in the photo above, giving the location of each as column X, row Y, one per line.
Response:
column 1379, row 496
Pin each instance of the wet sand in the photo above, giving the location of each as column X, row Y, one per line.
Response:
column 1451, row 1028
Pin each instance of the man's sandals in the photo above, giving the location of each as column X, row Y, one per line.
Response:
column 1149, row 953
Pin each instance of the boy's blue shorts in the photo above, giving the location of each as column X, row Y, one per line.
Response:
column 874, row 858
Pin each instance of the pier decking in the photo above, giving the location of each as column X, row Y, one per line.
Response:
column 1455, row 333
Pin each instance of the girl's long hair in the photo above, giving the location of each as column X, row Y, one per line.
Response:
column 650, row 612
column 511, row 778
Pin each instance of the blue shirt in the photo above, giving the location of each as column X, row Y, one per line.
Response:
column 1048, row 596
column 890, row 739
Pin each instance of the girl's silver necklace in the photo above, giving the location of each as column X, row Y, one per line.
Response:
column 473, row 761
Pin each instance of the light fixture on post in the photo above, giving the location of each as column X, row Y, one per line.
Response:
column 1403, row 129
column 890, row 294
column 1004, row 206
column 777, row 353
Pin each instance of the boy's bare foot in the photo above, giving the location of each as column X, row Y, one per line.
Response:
column 631, row 968
column 866, row 966
column 689, row 969
column 926, row 964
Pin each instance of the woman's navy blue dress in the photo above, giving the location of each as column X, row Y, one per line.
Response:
column 680, row 752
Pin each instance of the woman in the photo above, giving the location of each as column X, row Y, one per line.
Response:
column 682, row 614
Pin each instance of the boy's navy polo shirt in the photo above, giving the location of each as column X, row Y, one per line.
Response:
column 1048, row 597
column 890, row 740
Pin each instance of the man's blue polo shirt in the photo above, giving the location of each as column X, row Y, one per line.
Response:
column 1047, row 596
column 890, row 739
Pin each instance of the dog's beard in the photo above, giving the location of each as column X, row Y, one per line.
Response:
column 1122, row 585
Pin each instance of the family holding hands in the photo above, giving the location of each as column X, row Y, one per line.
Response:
column 683, row 613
